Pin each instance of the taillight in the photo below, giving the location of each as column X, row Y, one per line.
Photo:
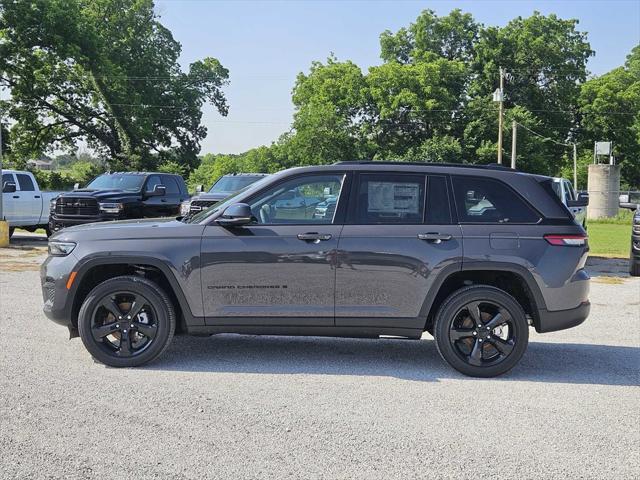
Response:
column 567, row 240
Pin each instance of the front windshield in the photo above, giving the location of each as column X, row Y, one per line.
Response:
column 233, row 184
column 108, row 181
column 221, row 205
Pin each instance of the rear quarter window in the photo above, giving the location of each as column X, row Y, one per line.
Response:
column 485, row 200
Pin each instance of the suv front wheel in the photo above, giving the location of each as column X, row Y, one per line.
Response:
column 481, row 331
column 126, row 321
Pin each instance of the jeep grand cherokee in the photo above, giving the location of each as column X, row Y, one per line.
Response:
column 472, row 255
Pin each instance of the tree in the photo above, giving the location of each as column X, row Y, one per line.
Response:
column 452, row 37
column 106, row 72
column 610, row 110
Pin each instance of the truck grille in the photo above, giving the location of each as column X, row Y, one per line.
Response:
column 76, row 206
column 199, row 205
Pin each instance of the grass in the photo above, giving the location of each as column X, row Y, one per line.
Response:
column 623, row 217
column 609, row 239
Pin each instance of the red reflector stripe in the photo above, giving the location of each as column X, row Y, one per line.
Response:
column 566, row 240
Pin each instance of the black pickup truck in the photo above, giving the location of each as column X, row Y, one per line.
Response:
column 118, row 196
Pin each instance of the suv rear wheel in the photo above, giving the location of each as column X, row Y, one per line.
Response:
column 126, row 321
column 481, row 331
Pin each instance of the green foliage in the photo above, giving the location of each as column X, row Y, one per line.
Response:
column 610, row 109
column 171, row 166
column 105, row 72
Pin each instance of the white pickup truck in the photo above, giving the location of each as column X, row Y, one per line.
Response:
column 24, row 205
column 576, row 202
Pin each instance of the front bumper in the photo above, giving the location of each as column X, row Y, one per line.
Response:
column 59, row 222
column 58, row 300
column 552, row 321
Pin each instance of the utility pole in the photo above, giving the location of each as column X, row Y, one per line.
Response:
column 514, row 134
column 501, row 113
column 575, row 167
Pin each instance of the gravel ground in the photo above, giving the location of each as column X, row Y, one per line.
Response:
column 232, row 407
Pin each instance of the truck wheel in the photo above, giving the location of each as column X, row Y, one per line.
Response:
column 634, row 268
column 481, row 331
column 11, row 229
column 126, row 321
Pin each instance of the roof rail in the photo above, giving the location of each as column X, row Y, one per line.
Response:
column 495, row 166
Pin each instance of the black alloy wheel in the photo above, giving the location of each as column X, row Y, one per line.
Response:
column 481, row 331
column 126, row 321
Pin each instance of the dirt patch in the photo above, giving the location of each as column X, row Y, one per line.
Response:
column 19, row 266
column 609, row 280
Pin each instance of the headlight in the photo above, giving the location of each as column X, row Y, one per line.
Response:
column 61, row 249
column 52, row 205
column 185, row 207
column 111, row 207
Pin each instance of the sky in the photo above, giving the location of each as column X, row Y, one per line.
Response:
column 265, row 44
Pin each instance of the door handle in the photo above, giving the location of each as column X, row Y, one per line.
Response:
column 16, row 196
column 36, row 196
column 314, row 237
column 434, row 237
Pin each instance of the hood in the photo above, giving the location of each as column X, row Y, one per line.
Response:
column 112, row 195
column 119, row 229
column 212, row 196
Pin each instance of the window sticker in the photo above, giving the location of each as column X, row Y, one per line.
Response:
column 394, row 198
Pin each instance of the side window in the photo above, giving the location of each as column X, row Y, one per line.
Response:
column 305, row 200
column 568, row 192
column 172, row 186
column 7, row 177
column 438, row 209
column 384, row 198
column 152, row 181
column 484, row 200
column 25, row 182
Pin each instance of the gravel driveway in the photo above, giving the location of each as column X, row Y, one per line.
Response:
column 234, row 407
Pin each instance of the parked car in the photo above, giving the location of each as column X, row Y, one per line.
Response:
column 118, row 196
column 576, row 202
column 634, row 257
column 24, row 205
column 224, row 186
column 405, row 251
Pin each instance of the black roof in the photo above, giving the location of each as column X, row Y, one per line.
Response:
column 491, row 166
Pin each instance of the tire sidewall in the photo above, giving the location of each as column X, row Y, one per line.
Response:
column 163, row 310
column 446, row 316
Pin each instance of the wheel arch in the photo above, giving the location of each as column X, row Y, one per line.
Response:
column 512, row 278
column 96, row 270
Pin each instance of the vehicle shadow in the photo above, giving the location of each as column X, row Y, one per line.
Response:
column 28, row 241
column 608, row 267
column 416, row 360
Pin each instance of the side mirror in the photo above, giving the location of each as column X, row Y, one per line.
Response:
column 236, row 215
column 76, row 186
column 199, row 188
column 8, row 187
column 158, row 191
column 582, row 200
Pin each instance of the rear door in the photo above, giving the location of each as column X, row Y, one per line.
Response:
column 29, row 203
column 399, row 235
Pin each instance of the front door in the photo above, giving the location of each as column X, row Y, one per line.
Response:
column 279, row 270
column 392, row 249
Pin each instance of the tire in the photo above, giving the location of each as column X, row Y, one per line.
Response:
column 11, row 229
column 463, row 349
column 47, row 231
column 634, row 267
column 154, row 322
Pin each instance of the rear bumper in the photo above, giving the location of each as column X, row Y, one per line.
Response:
column 552, row 321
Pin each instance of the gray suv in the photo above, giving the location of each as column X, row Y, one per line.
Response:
column 472, row 255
